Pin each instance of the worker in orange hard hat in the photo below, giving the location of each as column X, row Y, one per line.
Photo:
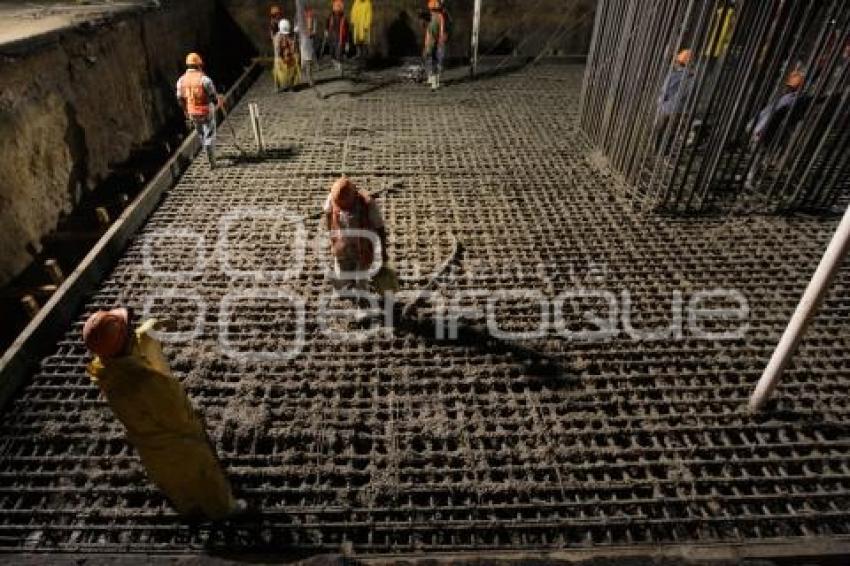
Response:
column 349, row 208
column 775, row 124
column 134, row 377
column 337, row 34
column 675, row 91
column 436, row 41
column 198, row 98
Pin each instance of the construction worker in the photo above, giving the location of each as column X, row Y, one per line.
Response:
column 361, row 23
column 348, row 208
column 287, row 64
column 306, row 30
column 275, row 15
column 787, row 109
column 674, row 95
column 337, row 34
column 436, row 42
column 198, row 98
column 134, row 378
column 310, row 24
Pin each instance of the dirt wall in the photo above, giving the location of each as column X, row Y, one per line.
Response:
column 75, row 104
column 521, row 26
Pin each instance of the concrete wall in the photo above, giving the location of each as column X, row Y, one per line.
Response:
column 78, row 102
column 506, row 25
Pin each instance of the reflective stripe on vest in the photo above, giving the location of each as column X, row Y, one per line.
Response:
column 197, row 100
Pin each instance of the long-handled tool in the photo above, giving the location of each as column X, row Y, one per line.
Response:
column 432, row 282
column 242, row 152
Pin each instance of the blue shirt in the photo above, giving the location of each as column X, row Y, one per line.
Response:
column 677, row 87
column 780, row 107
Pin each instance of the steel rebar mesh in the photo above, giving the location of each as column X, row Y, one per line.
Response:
column 724, row 131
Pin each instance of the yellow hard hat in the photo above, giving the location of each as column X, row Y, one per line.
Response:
column 194, row 60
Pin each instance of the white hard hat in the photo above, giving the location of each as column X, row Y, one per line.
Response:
column 284, row 26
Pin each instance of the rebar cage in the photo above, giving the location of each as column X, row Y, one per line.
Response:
column 710, row 104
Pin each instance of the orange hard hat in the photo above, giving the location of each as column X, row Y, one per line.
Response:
column 338, row 5
column 684, row 57
column 194, row 60
column 434, row 4
column 342, row 192
column 106, row 332
column 795, row 80
column 275, row 11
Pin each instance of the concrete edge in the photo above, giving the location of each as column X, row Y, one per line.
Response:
column 787, row 552
column 38, row 41
column 41, row 334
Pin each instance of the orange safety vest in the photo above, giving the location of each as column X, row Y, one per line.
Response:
column 365, row 248
column 197, row 100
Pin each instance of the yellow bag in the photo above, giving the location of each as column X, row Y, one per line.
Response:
column 162, row 425
column 386, row 280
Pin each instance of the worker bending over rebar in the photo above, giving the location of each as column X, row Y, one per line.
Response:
column 135, row 379
column 349, row 208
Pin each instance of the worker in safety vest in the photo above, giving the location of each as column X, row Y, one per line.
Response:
column 337, row 34
column 780, row 115
column 436, row 42
column 287, row 64
column 348, row 208
column 198, row 97
column 361, row 24
column 677, row 87
column 134, row 378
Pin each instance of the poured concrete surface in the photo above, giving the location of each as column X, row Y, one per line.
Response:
column 404, row 442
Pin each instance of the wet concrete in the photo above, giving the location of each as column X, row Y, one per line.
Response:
column 406, row 442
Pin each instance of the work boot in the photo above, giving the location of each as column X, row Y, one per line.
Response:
column 432, row 81
column 437, row 81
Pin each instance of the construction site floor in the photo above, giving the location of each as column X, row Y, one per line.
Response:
column 403, row 442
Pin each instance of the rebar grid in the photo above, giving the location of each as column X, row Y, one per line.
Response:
column 701, row 153
column 407, row 443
